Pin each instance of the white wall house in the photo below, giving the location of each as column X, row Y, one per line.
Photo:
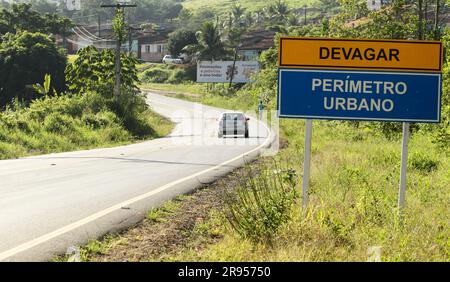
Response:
column 153, row 52
column 373, row 5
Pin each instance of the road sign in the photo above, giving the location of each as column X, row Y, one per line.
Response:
column 398, row 55
column 359, row 95
column 325, row 79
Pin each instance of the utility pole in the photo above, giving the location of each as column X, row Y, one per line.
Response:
column 120, row 7
column 305, row 13
column 420, row 31
column 99, row 25
column 436, row 21
column 130, row 41
column 233, row 70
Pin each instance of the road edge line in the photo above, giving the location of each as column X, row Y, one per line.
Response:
column 58, row 232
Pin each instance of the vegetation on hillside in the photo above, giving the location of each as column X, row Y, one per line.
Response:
column 47, row 106
column 222, row 7
column 148, row 11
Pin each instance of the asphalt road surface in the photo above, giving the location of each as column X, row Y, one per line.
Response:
column 51, row 202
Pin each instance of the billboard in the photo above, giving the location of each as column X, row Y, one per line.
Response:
column 221, row 71
column 73, row 5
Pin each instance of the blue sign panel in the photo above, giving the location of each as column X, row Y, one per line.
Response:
column 359, row 95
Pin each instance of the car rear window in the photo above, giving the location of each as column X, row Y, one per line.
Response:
column 233, row 116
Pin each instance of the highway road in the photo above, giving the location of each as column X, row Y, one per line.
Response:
column 49, row 203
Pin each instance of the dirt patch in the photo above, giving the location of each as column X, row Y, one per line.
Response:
column 158, row 240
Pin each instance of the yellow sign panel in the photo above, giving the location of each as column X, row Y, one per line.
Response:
column 404, row 55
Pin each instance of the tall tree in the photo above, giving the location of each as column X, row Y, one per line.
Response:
column 180, row 39
column 24, row 17
column 278, row 12
column 25, row 59
column 210, row 45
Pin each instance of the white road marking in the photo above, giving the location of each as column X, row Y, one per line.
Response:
column 44, row 238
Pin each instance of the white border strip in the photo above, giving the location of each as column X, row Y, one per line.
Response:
column 362, row 118
column 47, row 237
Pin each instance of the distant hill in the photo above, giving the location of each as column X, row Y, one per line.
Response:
column 220, row 6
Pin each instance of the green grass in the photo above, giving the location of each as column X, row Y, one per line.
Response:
column 353, row 197
column 198, row 92
column 168, row 208
column 167, row 73
column 142, row 66
column 354, row 186
column 63, row 123
column 222, row 6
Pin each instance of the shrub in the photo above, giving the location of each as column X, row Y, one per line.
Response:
column 177, row 76
column 190, row 73
column 59, row 123
column 155, row 75
column 262, row 204
column 441, row 135
column 422, row 162
column 93, row 70
column 25, row 58
column 99, row 120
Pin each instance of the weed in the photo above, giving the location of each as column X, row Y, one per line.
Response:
column 423, row 162
column 262, row 203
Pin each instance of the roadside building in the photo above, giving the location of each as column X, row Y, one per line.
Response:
column 153, row 47
column 374, row 5
column 253, row 43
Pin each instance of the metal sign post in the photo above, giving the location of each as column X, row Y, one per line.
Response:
column 359, row 79
column 404, row 163
column 306, row 163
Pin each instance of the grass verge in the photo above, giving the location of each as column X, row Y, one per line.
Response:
column 353, row 198
column 68, row 123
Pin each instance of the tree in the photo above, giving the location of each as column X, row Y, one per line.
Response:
column 327, row 5
column 173, row 11
column 210, row 46
column 23, row 17
column 44, row 6
column 56, row 24
column 120, row 30
column 278, row 12
column 25, row 59
column 93, row 70
column 184, row 18
column 180, row 39
column 237, row 12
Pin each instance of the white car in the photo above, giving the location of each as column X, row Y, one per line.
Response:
column 169, row 59
column 233, row 123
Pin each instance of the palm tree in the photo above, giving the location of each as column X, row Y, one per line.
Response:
column 237, row 11
column 249, row 19
column 259, row 16
column 293, row 20
column 278, row 12
column 210, row 46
